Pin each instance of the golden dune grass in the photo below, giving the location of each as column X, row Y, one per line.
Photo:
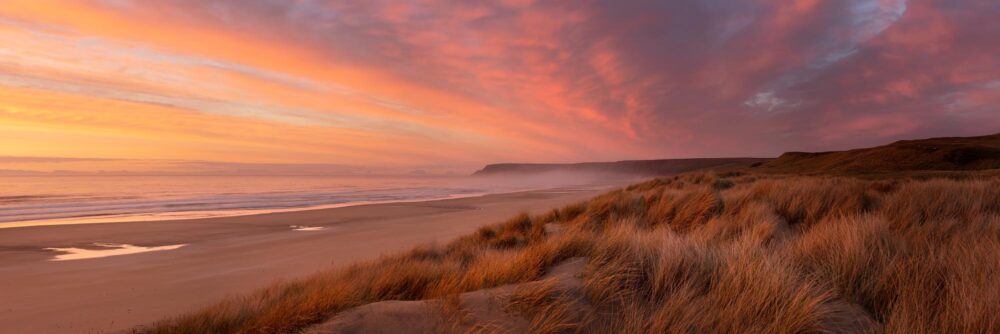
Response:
column 697, row 253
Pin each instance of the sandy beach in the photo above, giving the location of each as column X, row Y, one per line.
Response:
column 219, row 257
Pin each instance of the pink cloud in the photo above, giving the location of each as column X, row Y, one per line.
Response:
column 589, row 80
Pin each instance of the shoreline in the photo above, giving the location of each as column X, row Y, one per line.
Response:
column 191, row 215
column 223, row 256
column 166, row 214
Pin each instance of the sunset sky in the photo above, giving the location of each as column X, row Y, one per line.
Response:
column 120, row 84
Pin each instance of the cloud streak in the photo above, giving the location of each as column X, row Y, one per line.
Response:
column 464, row 83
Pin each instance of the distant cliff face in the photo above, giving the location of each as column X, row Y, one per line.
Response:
column 949, row 153
column 629, row 167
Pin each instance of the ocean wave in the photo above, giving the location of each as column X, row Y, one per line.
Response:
column 41, row 209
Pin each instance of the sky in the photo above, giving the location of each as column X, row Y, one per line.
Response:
column 453, row 85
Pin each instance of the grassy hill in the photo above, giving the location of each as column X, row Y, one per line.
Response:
column 934, row 154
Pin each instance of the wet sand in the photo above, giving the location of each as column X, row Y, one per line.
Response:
column 220, row 257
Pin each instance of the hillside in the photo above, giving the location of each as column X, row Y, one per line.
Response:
column 733, row 251
column 630, row 167
column 695, row 253
column 934, row 154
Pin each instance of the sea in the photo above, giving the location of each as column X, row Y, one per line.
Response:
column 57, row 200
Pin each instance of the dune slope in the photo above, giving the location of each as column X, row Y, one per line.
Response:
column 700, row 252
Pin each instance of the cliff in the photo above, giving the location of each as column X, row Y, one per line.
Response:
column 633, row 167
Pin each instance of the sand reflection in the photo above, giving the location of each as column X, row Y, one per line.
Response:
column 105, row 250
column 306, row 228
